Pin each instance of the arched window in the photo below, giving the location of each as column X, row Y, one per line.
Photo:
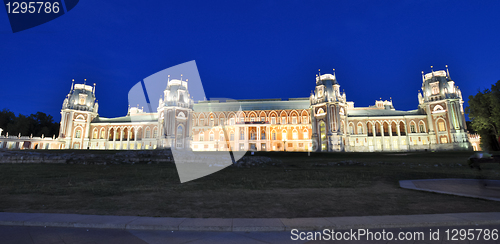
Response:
column 263, row 134
column 273, row 135
column 421, row 126
column 360, row 128
column 95, row 134
column 155, row 133
column 351, row 129
column 322, row 132
column 283, row 135
column 201, row 136
column 148, row 132
column 412, row 127
column 306, row 134
column 441, row 126
column 295, row 134
column 211, row 136
column 232, row 136
column 78, row 133
column 103, row 133
column 180, row 136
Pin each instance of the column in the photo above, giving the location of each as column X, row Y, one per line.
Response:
column 390, row 136
column 399, row 136
column 374, row 134
column 382, row 133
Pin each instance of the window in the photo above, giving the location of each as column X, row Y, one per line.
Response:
column 441, row 126
column 155, row 133
column 102, row 134
column 295, row 135
column 231, row 121
column 78, row 133
column 212, row 121
column 283, row 120
column 242, row 134
column 422, row 128
column 262, row 119
column 180, row 140
column 262, row 134
column 211, row 137
column 242, row 120
column 273, row 135
column 444, row 139
column 294, row 120
column 304, row 119
column 222, row 137
column 360, row 129
column 242, row 146
column 82, row 99
column 148, row 133
column 283, row 135
column 306, row 134
column 252, row 119
column 201, row 136
column 412, row 128
column 95, row 134
column 351, row 129
column 221, row 121
column 202, row 122
column 232, row 136
column 273, row 120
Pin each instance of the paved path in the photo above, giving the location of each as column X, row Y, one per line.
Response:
column 56, row 235
column 244, row 225
column 484, row 189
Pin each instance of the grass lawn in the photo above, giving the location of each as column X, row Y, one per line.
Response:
column 319, row 185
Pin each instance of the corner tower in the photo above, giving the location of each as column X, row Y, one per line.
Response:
column 442, row 101
column 78, row 110
column 328, row 114
column 175, row 115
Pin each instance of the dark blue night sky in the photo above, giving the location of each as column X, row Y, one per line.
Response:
column 250, row 49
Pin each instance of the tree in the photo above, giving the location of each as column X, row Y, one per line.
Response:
column 35, row 124
column 484, row 112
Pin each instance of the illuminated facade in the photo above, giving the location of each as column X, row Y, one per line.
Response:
column 326, row 121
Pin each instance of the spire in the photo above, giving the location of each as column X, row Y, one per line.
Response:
column 181, row 77
column 93, row 90
column 447, row 72
column 72, row 84
column 319, row 72
column 168, row 80
column 334, row 76
column 84, row 81
column 432, row 71
column 423, row 78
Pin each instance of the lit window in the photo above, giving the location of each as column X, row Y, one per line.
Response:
column 222, row 137
column 283, row 120
column 295, row 135
column 412, row 128
column 283, row 135
column 221, row 121
column 252, row 119
column 242, row 134
column 95, row 134
column 351, row 129
column 82, row 99
column 211, row 137
column 273, row 135
column 232, row 136
column 441, row 126
column 202, row 122
column 148, row 133
column 304, row 119
column 273, row 120
column 242, row 120
column 102, row 134
column 306, row 134
column 211, row 121
column 444, row 139
column 78, row 133
column 155, row 133
column 201, row 136
column 231, row 121
column 294, row 120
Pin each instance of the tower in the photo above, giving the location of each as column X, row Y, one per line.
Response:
column 78, row 110
column 328, row 114
column 442, row 101
column 175, row 115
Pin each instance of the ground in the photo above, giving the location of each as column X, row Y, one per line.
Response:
column 315, row 185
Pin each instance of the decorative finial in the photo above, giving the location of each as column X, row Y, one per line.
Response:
column 168, row 80
column 181, row 77
column 447, row 72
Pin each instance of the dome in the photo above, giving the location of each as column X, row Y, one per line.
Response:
column 177, row 94
column 82, row 98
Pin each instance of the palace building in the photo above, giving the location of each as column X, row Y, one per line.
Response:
column 325, row 121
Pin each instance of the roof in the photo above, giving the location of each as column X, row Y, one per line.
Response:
column 370, row 112
column 148, row 117
column 254, row 104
